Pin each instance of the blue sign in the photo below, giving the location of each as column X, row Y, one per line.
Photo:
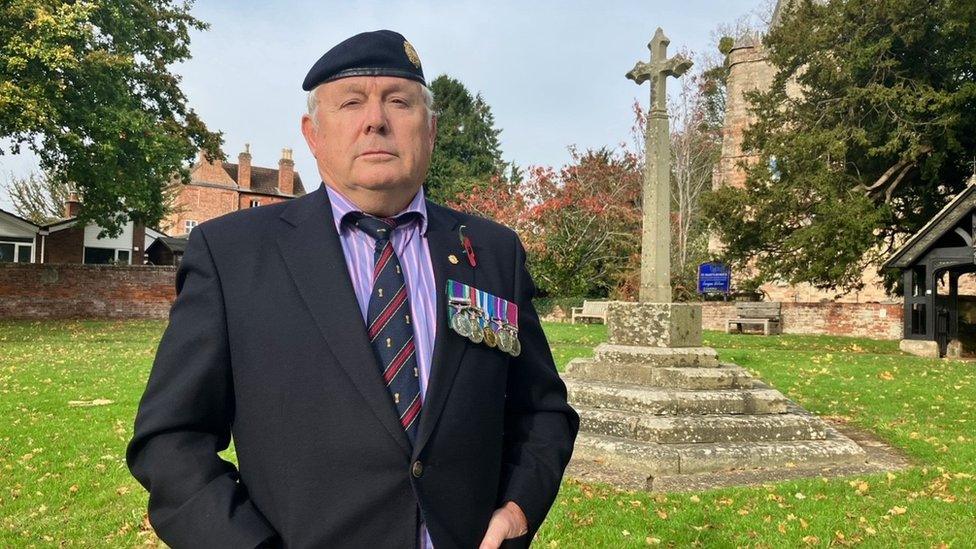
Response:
column 714, row 278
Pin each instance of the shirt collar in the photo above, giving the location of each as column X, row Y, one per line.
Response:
column 341, row 205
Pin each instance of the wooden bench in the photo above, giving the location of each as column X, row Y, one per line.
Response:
column 764, row 313
column 592, row 310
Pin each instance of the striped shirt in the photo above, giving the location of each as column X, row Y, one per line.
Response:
column 410, row 244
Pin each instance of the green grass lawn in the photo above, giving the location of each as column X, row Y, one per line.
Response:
column 63, row 479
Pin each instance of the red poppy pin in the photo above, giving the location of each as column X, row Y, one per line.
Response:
column 466, row 243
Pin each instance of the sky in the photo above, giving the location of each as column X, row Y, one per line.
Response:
column 552, row 71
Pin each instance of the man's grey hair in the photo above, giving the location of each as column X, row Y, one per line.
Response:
column 313, row 103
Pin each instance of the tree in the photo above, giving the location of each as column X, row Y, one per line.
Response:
column 868, row 129
column 580, row 225
column 38, row 197
column 591, row 225
column 466, row 152
column 696, row 144
column 41, row 197
column 86, row 86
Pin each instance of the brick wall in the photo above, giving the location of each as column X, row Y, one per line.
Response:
column 246, row 198
column 873, row 320
column 873, row 291
column 65, row 246
column 34, row 290
column 199, row 204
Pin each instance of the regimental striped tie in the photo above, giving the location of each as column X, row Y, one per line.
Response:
column 388, row 320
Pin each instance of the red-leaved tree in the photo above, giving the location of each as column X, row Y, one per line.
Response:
column 580, row 225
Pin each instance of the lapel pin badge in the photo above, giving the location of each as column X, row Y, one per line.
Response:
column 453, row 259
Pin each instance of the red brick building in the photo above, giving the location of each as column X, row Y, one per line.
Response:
column 217, row 188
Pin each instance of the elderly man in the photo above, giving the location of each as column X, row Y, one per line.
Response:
column 375, row 356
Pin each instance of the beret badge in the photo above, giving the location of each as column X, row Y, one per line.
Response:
column 411, row 54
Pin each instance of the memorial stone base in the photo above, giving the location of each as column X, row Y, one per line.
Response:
column 654, row 324
column 654, row 400
column 920, row 347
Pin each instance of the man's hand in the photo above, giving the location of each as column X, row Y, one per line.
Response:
column 506, row 522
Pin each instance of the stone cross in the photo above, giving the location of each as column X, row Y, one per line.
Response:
column 655, row 285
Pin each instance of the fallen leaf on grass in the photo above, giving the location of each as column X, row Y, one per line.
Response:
column 96, row 402
column 859, row 486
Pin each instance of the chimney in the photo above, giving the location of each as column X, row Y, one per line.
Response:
column 244, row 167
column 286, row 173
column 72, row 206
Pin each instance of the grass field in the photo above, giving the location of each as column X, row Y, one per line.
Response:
column 69, row 390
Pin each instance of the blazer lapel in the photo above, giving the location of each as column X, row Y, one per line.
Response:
column 313, row 254
column 443, row 241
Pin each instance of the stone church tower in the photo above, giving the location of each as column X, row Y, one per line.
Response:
column 750, row 70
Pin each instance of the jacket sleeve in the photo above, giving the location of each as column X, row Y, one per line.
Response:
column 540, row 426
column 185, row 417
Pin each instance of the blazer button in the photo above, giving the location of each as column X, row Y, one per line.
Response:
column 417, row 469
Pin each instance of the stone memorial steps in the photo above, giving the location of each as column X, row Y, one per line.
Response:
column 701, row 429
column 664, row 401
column 724, row 376
column 654, row 459
column 672, row 409
column 688, row 357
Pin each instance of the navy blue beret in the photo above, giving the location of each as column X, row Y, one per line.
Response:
column 376, row 53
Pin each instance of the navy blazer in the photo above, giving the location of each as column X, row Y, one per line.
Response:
column 266, row 342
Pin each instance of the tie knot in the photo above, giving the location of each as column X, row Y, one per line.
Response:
column 380, row 228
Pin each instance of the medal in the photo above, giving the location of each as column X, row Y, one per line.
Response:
column 491, row 339
column 516, row 347
column 477, row 334
column 505, row 340
column 458, row 312
column 513, row 347
column 461, row 324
